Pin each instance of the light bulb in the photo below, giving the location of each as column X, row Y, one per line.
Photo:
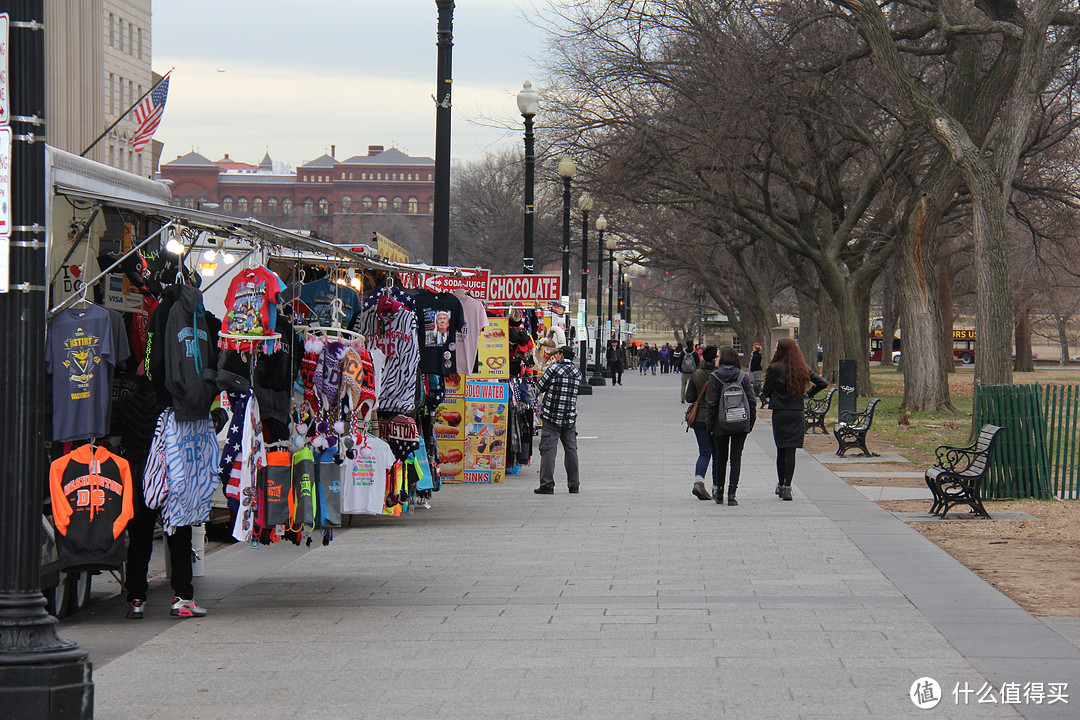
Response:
column 228, row 258
column 174, row 246
column 210, row 255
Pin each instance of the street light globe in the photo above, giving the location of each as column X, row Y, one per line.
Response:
column 585, row 202
column 601, row 223
column 528, row 100
column 612, row 242
column 567, row 168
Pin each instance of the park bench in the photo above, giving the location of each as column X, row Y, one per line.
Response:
column 816, row 409
column 957, row 477
column 851, row 431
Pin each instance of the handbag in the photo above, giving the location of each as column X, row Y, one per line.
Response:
column 691, row 412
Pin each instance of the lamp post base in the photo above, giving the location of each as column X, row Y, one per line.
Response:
column 597, row 380
column 583, row 389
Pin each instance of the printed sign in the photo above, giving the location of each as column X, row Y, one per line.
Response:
column 486, row 409
column 450, row 430
column 493, row 355
column 5, row 114
column 505, row 289
column 477, row 286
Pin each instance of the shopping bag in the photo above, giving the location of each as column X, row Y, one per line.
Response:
column 277, row 486
column 302, row 510
column 328, row 474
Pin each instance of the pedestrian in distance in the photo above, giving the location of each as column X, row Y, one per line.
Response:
column 654, row 358
column 665, row 359
column 615, row 361
column 688, row 363
column 558, row 388
column 695, row 389
column 787, row 379
column 643, row 358
column 677, row 355
column 730, row 413
column 755, row 368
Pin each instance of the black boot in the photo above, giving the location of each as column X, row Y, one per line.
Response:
column 733, row 485
column 718, row 494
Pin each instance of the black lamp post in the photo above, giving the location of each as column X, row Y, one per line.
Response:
column 567, row 171
column 528, row 102
column 440, row 242
column 611, row 245
column 597, row 378
column 41, row 675
column 585, row 204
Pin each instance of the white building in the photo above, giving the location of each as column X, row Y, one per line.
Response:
column 97, row 63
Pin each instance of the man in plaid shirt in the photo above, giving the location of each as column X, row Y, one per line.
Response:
column 558, row 411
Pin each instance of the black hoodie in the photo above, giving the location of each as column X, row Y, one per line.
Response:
column 190, row 357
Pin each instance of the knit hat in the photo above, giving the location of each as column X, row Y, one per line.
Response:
column 709, row 354
column 566, row 351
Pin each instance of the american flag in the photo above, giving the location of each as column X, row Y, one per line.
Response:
column 148, row 114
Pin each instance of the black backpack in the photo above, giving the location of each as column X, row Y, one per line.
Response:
column 733, row 415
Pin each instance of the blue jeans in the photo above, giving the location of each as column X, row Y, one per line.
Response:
column 706, row 451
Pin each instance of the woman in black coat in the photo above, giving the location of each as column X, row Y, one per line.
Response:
column 786, row 380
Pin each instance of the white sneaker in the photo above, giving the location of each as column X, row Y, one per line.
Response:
column 186, row 608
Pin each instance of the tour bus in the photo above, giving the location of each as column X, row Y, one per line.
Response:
column 963, row 345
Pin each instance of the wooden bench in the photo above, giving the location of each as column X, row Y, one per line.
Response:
column 815, row 410
column 851, row 431
column 957, row 477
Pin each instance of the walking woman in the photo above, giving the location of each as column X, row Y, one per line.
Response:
column 728, row 434
column 786, row 380
column 695, row 388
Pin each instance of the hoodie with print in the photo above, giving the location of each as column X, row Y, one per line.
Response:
column 190, row 359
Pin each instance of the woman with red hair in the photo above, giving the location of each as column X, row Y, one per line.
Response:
column 787, row 379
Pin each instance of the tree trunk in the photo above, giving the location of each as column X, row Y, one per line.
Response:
column 946, row 282
column 889, row 312
column 1023, row 362
column 810, row 312
column 926, row 384
column 1063, row 341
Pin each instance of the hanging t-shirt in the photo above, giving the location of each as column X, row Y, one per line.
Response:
column 440, row 320
column 388, row 322
column 468, row 339
column 363, row 491
column 67, row 258
column 319, row 295
column 78, row 352
column 121, row 353
column 248, row 302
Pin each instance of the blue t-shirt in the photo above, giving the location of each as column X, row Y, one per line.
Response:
column 79, row 352
column 319, row 296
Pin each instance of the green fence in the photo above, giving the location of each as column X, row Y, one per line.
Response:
column 1038, row 454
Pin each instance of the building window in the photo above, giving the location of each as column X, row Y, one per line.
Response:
column 342, row 176
column 429, row 177
column 309, row 206
column 226, row 204
column 414, row 206
column 346, row 204
column 365, row 204
column 131, row 39
column 241, row 205
column 324, row 206
column 286, row 206
column 394, row 176
column 112, row 30
column 138, row 35
column 109, row 98
column 363, row 176
column 256, row 206
column 397, row 204
column 121, row 34
column 271, row 206
column 350, row 176
column 381, row 207
column 189, row 203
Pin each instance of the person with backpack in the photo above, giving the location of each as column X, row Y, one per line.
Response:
column 787, row 379
column 688, row 362
column 730, row 413
column 695, row 393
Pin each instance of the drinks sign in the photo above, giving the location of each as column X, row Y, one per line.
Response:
column 477, row 285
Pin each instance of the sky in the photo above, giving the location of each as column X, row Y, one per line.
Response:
column 257, row 76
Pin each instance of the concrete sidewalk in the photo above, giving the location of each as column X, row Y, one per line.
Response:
column 630, row 600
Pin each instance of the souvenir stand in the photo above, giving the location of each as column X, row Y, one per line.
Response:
column 155, row 394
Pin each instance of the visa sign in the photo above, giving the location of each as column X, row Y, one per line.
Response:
column 504, row 289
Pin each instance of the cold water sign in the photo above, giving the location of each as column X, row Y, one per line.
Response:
column 503, row 289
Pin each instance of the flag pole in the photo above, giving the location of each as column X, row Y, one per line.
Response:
column 125, row 113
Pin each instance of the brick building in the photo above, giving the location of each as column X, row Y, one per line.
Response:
column 343, row 201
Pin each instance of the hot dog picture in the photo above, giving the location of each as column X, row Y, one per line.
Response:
column 449, row 417
column 453, row 455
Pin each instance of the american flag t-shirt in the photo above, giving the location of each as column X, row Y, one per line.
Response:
column 148, row 114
